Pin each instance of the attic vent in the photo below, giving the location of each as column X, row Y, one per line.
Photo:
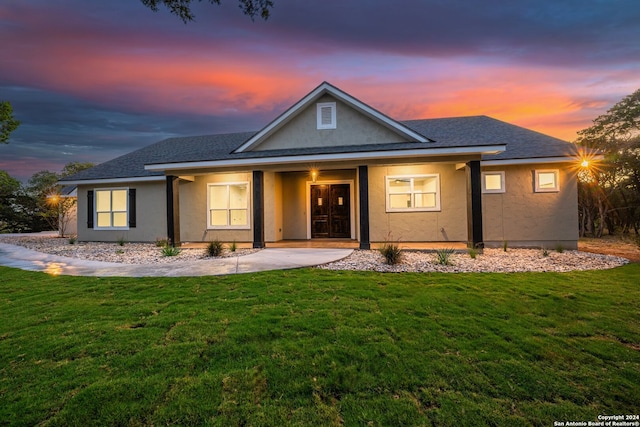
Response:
column 327, row 115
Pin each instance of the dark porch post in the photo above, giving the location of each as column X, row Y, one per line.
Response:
column 475, row 238
column 363, row 192
column 173, row 211
column 258, row 209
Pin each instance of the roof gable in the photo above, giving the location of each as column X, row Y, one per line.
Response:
column 267, row 138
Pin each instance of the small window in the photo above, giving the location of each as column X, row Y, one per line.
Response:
column 413, row 193
column 546, row 181
column 228, row 205
column 493, row 182
column 326, row 115
column 111, row 209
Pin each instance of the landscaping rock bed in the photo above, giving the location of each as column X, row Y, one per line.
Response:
column 128, row 253
column 491, row 260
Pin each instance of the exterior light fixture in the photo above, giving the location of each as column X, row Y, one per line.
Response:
column 314, row 176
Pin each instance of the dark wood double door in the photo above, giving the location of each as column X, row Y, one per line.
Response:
column 330, row 211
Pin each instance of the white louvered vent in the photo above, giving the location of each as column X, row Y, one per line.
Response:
column 327, row 115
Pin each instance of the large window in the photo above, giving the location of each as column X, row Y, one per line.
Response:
column 547, row 181
column 413, row 193
column 228, row 205
column 493, row 182
column 111, row 208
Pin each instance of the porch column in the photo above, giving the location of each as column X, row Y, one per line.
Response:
column 363, row 193
column 475, row 238
column 258, row 209
column 173, row 211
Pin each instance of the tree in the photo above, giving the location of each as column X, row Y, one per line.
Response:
column 610, row 197
column 7, row 122
column 182, row 8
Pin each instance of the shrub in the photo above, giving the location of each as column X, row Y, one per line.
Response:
column 170, row 251
column 559, row 248
column 233, row 246
column 214, row 248
column 391, row 252
column 121, row 241
column 73, row 240
column 473, row 252
column 443, row 256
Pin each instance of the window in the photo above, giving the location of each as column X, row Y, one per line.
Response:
column 326, row 115
column 493, row 182
column 228, row 205
column 111, row 208
column 546, row 181
column 413, row 193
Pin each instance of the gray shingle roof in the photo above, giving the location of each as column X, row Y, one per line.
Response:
column 453, row 132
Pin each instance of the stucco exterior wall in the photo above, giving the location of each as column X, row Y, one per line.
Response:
column 194, row 210
column 448, row 224
column 522, row 217
column 273, row 212
column 151, row 218
column 353, row 128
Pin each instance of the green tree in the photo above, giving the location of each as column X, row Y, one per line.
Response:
column 610, row 194
column 182, row 8
column 7, row 122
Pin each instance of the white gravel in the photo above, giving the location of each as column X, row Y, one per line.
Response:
column 491, row 260
column 129, row 253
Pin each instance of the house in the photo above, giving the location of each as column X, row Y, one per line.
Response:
column 332, row 167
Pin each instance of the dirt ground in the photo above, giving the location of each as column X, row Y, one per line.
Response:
column 624, row 246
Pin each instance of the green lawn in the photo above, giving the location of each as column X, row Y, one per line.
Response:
column 314, row 347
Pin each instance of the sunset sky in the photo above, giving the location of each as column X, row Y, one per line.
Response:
column 92, row 80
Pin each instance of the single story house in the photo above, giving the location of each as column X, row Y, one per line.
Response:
column 332, row 167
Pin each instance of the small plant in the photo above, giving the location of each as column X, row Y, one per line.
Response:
column 473, row 252
column 559, row 248
column 233, row 246
column 545, row 252
column 73, row 240
column 170, row 251
column 443, row 256
column 391, row 252
column 119, row 252
column 504, row 245
column 121, row 241
column 214, row 248
column 161, row 242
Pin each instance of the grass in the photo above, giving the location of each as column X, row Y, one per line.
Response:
column 315, row 347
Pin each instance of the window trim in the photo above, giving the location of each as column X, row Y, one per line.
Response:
column 95, row 208
column 436, row 208
column 319, row 108
column 228, row 227
column 502, row 188
column 537, row 188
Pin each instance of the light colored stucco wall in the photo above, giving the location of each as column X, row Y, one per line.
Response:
column 522, row 217
column 151, row 214
column 353, row 128
column 273, row 207
column 194, row 211
column 448, row 224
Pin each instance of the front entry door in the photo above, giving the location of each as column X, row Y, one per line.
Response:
column 330, row 211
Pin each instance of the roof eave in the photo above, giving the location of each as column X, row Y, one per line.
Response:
column 332, row 157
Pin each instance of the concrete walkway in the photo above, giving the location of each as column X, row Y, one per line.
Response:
column 266, row 259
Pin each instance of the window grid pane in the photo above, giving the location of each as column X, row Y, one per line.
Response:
column 111, row 208
column 229, row 205
column 412, row 193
